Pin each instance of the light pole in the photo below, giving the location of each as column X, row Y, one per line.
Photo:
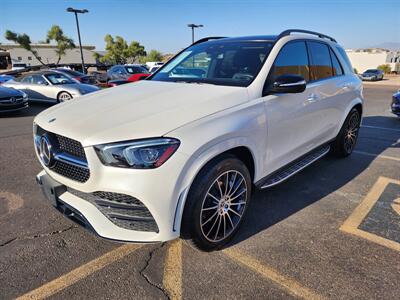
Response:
column 193, row 26
column 76, row 12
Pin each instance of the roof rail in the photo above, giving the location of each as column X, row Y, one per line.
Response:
column 208, row 39
column 289, row 31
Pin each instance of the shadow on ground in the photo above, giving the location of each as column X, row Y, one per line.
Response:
column 270, row 206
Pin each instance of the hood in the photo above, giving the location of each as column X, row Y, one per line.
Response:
column 137, row 110
column 9, row 92
column 81, row 87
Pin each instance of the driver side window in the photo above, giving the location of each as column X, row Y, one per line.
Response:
column 293, row 60
column 37, row 79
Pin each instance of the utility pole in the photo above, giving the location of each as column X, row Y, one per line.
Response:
column 193, row 26
column 76, row 12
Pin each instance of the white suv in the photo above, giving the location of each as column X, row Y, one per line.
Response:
column 177, row 155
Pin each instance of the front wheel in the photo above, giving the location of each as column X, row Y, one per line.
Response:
column 216, row 204
column 347, row 138
column 63, row 96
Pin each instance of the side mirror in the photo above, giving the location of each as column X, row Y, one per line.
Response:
column 288, row 84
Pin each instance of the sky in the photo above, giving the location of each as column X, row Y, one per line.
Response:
column 162, row 24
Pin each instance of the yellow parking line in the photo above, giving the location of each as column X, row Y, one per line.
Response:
column 79, row 273
column 291, row 285
column 362, row 210
column 377, row 155
column 172, row 280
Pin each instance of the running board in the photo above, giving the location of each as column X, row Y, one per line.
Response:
column 295, row 167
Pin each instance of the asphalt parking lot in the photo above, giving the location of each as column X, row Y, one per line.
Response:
column 331, row 231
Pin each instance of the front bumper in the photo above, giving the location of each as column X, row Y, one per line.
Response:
column 89, row 216
column 13, row 107
column 160, row 191
column 396, row 109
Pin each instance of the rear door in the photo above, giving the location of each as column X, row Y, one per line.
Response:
column 331, row 88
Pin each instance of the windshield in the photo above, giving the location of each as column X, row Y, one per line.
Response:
column 71, row 72
column 135, row 69
column 232, row 63
column 371, row 71
column 59, row 79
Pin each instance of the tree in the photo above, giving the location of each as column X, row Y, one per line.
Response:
column 24, row 41
column 385, row 68
column 119, row 52
column 153, row 55
column 62, row 42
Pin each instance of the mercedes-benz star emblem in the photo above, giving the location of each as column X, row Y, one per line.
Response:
column 45, row 151
column 13, row 100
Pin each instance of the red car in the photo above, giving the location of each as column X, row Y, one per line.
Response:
column 132, row 78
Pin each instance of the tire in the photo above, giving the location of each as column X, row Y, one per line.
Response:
column 214, row 210
column 346, row 140
column 63, row 96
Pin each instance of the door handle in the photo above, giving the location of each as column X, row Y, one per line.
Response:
column 312, row 98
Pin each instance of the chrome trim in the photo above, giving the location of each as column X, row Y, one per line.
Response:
column 64, row 157
column 72, row 160
column 292, row 84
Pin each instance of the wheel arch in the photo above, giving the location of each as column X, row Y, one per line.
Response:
column 59, row 93
column 242, row 151
column 356, row 103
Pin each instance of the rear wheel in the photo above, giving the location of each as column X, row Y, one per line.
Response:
column 216, row 203
column 64, row 96
column 347, row 138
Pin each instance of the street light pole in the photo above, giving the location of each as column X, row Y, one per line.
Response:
column 193, row 26
column 76, row 12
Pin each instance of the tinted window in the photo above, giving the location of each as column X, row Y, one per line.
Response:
column 135, row 69
column 346, row 59
column 37, row 79
column 337, row 68
column 232, row 63
column 292, row 59
column 59, row 79
column 320, row 65
column 71, row 72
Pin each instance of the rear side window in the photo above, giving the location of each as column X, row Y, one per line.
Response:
column 292, row 59
column 346, row 59
column 337, row 68
column 320, row 65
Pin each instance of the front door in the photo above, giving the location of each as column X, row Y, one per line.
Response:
column 292, row 119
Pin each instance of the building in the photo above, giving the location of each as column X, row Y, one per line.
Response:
column 13, row 53
column 363, row 59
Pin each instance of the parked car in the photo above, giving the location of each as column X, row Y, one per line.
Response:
column 82, row 78
column 396, row 103
column 151, row 64
column 12, row 100
column 99, row 76
column 5, row 78
column 117, row 82
column 133, row 78
column 18, row 66
column 372, row 75
column 154, row 69
column 125, row 71
column 177, row 155
column 50, row 86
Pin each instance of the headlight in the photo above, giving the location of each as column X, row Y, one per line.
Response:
column 139, row 154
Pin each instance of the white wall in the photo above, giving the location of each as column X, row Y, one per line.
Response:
column 364, row 60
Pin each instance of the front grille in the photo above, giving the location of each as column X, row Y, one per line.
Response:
column 71, row 171
column 70, row 146
column 63, row 145
column 123, row 210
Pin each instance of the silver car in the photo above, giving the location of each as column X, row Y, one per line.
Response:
column 49, row 86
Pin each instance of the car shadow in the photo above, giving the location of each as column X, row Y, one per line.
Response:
column 33, row 109
column 273, row 205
